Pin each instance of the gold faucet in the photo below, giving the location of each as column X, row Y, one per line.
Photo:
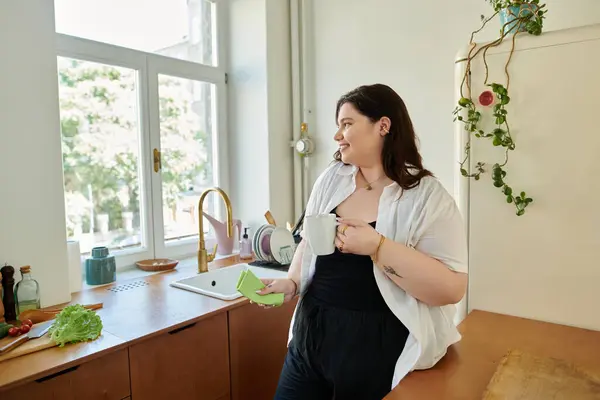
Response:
column 203, row 257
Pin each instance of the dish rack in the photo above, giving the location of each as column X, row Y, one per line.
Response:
column 270, row 265
column 273, row 247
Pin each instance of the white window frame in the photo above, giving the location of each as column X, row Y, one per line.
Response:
column 149, row 66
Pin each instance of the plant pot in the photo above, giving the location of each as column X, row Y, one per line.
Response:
column 510, row 14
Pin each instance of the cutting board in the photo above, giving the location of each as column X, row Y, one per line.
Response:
column 30, row 346
column 524, row 376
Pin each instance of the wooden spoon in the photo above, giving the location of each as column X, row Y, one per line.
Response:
column 37, row 316
column 269, row 218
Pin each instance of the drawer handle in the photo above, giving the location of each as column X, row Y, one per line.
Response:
column 174, row 331
column 52, row 376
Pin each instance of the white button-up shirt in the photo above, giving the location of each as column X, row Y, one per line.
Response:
column 426, row 218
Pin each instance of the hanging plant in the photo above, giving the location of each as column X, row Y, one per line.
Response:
column 516, row 17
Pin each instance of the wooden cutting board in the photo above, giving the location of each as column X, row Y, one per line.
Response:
column 524, row 376
column 30, row 346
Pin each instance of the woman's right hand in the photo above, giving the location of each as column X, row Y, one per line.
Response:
column 286, row 286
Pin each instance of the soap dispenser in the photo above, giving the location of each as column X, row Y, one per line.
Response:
column 245, row 246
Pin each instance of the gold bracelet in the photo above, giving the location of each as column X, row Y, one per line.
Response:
column 381, row 240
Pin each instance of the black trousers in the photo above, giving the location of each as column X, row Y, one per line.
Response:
column 341, row 354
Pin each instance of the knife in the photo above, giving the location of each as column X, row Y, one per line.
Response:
column 37, row 331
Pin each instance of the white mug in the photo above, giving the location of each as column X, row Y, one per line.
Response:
column 320, row 230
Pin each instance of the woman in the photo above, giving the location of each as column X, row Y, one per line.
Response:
column 383, row 304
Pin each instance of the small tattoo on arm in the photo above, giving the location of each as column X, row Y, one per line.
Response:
column 391, row 271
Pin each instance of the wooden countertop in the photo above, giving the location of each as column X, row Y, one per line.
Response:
column 139, row 309
column 465, row 371
column 146, row 311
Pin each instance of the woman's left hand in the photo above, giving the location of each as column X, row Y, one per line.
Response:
column 356, row 237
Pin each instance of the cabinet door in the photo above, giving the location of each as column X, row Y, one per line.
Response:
column 191, row 362
column 258, row 344
column 105, row 378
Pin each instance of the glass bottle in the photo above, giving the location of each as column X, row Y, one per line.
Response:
column 27, row 291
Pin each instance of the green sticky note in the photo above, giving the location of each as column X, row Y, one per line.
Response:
column 248, row 284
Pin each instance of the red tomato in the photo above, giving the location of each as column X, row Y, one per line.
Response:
column 14, row 331
column 24, row 328
column 27, row 322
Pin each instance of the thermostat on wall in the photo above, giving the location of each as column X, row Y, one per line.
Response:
column 304, row 146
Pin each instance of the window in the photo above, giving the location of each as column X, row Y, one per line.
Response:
column 142, row 114
column 183, row 29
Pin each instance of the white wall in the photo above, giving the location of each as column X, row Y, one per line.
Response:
column 279, row 95
column 247, row 108
column 260, row 117
column 411, row 46
column 32, row 219
column 541, row 265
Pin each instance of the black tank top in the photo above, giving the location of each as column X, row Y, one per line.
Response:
column 346, row 281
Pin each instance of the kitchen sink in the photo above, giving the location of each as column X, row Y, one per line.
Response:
column 220, row 283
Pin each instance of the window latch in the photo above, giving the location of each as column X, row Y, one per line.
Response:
column 157, row 160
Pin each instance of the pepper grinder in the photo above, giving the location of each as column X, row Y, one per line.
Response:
column 1, row 303
column 8, row 297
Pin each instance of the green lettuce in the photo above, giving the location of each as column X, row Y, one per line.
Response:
column 74, row 324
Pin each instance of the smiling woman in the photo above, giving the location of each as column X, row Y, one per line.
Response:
column 381, row 132
column 383, row 303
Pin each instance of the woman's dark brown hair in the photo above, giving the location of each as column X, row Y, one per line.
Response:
column 399, row 153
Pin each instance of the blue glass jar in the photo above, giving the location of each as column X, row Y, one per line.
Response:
column 101, row 267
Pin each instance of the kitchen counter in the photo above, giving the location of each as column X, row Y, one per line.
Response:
column 134, row 310
column 466, row 370
column 137, row 310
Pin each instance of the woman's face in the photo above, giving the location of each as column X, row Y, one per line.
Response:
column 359, row 140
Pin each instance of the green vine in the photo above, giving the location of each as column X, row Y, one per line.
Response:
column 531, row 18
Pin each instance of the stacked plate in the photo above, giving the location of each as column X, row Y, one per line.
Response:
column 272, row 244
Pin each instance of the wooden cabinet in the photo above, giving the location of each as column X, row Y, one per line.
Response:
column 105, row 378
column 233, row 355
column 191, row 362
column 258, row 344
